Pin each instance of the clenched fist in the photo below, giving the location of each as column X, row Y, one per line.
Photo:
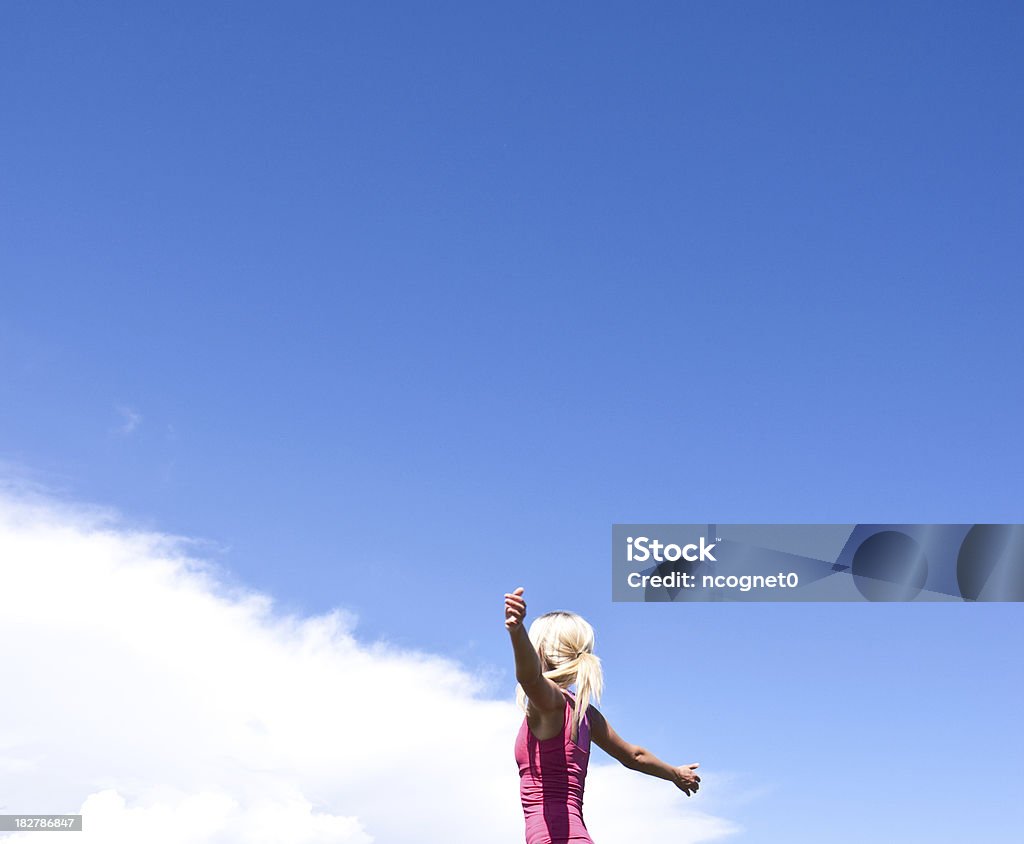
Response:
column 515, row 609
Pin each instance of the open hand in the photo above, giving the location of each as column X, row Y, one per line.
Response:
column 686, row 779
column 515, row 609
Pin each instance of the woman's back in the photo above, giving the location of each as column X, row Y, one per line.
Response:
column 552, row 775
column 558, row 652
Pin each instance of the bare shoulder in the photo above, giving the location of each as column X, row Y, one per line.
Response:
column 596, row 719
column 545, row 696
column 545, row 724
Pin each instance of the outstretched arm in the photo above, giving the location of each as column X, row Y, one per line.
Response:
column 638, row 758
column 543, row 693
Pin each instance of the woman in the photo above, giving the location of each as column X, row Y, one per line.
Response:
column 553, row 746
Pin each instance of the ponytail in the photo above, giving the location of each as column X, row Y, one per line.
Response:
column 589, row 684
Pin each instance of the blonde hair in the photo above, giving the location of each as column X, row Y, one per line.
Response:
column 565, row 644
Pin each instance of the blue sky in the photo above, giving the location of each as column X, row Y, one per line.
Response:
column 400, row 308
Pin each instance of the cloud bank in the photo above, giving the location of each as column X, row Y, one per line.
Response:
column 145, row 692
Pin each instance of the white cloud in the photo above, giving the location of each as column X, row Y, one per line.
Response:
column 620, row 805
column 130, row 420
column 144, row 692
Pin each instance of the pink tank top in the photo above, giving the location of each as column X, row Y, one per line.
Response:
column 551, row 778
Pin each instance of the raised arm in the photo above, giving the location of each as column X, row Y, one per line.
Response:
column 543, row 693
column 640, row 759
